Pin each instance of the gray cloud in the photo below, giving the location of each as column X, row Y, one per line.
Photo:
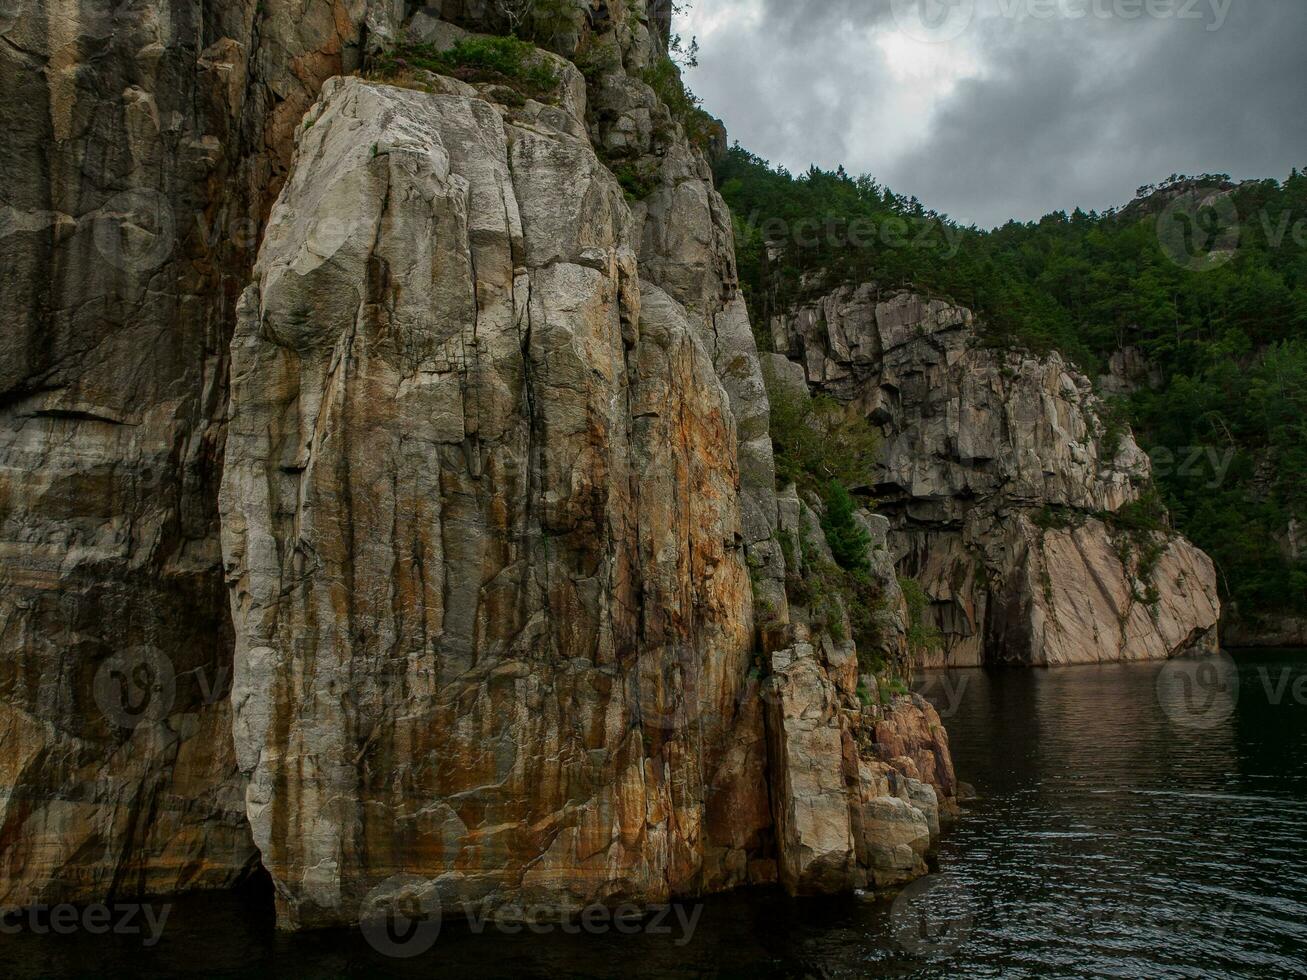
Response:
column 1014, row 117
column 815, row 20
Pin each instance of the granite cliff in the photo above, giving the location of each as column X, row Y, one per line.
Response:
column 1014, row 500
column 387, row 492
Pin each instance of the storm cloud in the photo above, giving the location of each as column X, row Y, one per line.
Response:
column 997, row 109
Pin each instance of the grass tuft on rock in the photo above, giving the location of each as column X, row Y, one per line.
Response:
column 504, row 60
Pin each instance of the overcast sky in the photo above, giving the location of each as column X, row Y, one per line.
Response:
column 990, row 109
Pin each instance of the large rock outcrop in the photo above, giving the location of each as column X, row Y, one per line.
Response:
column 482, row 526
column 870, row 820
column 497, row 496
column 145, row 143
column 1001, row 479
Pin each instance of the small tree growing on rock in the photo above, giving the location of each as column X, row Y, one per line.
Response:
column 847, row 539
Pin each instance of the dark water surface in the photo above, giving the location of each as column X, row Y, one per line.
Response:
column 1118, row 832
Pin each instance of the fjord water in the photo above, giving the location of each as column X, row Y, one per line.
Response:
column 1116, row 833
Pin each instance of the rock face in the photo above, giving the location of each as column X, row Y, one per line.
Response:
column 146, row 141
column 997, row 467
column 870, row 820
column 497, row 499
column 1273, row 631
column 482, row 526
column 1128, row 370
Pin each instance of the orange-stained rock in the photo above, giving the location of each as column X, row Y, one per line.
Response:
column 145, row 142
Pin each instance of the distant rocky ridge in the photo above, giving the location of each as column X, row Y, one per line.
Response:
column 1001, row 480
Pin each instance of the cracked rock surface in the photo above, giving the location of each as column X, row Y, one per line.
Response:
column 999, row 480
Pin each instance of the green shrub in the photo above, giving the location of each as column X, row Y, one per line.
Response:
column 1225, row 349
column 476, row 59
column 1052, row 518
column 637, row 181
column 1139, row 535
column 1146, row 514
column 1114, row 423
column 664, row 77
column 889, row 687
column 847, row 538
column 817, row 440
column 921, row 637
column 546, row 22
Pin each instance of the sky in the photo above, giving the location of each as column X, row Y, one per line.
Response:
column 994, row 109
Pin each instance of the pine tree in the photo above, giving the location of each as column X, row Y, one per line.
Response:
column 847, row 538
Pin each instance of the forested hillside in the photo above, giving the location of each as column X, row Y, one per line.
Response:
column 1203, row 283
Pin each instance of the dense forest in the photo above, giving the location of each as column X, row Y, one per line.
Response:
column 1203, row 280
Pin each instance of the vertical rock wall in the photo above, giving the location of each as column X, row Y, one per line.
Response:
column 145, row 142
column 1000, row 480
column 481, row 521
